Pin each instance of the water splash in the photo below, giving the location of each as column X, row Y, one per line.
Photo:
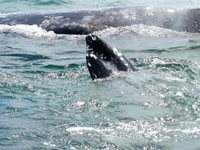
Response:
column 143, row 30
column 30, row 31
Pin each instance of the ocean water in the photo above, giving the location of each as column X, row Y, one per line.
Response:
column 48, row 100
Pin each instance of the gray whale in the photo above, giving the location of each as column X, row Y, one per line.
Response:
column 102, row 58
column 86, row 22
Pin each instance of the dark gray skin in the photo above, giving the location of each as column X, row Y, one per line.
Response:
column 86, row 22
column 60, row 23
column 100, row 55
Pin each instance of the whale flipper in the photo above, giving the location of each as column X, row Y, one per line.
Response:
column 100, row 56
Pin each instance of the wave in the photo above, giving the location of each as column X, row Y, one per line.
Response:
column 50, row 2
column 186, row 69
column 60, row 67
column 26, row 57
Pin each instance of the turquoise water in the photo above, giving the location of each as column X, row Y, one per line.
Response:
column 48, row 100
column 7, row 6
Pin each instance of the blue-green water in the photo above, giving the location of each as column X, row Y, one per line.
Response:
column 48, row 100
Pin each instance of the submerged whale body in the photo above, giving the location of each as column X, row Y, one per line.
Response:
column 86, row 22
column 102, row 59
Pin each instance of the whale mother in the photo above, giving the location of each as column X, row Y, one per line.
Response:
column 86, row 22
column 102, row 59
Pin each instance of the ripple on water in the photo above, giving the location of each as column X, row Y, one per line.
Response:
column 48, row 100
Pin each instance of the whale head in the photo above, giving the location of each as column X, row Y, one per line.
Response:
column 102, row 59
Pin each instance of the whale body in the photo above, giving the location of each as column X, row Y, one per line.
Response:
column 86, row 22
column 102, row 59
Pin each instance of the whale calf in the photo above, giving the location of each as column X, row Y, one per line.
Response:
column 102, row 59
column 86, row 22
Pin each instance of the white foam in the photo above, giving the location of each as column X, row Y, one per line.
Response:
column 143, row 30
column 31, row 31
column 180, row 94
column 80, row 103
column 158, row 61
column 49, row 144
column 171, row 78
column 78, row 129
column 193, row 130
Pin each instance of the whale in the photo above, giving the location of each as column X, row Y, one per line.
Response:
column 103, row 59
column 85, row 22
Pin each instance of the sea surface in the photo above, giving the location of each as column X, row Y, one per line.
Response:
column 48, row 100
